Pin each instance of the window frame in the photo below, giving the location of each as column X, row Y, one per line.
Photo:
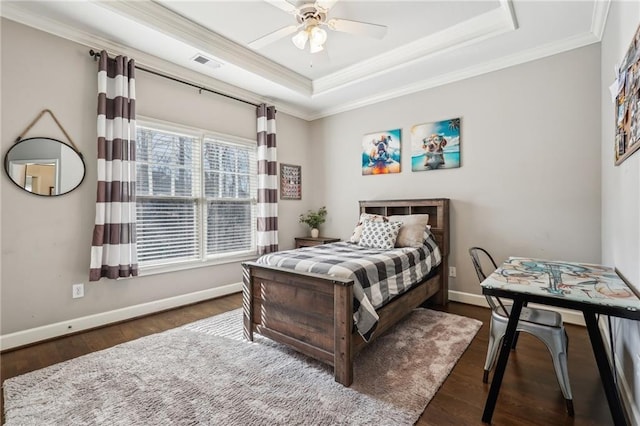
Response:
column 201, row 200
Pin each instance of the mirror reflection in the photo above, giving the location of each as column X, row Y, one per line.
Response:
column 44, row 166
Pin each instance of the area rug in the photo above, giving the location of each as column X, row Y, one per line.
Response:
column 205, row 373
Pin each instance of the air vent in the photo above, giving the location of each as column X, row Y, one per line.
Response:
column 207, row 62
column 201, row 60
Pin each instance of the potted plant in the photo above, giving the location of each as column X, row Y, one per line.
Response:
column 314, row 219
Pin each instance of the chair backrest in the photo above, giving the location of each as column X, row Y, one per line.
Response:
column 478, row 254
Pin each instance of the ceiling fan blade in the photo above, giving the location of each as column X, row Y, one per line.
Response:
column 326, row 4
column 357, row 27
column 283, row 5
column 274, row 36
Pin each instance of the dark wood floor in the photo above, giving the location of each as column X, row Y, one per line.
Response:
column 530, row 394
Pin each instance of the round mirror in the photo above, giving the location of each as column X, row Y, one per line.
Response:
column 44, row 166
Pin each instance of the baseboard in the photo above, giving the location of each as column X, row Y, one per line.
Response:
column 37, row 334
column 568, row 315
column 624, row 387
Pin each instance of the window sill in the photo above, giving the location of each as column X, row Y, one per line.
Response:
column 176, row 267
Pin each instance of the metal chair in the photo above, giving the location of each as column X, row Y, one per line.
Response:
column 544, row 324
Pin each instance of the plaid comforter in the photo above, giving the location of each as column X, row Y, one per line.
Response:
column 379, row 275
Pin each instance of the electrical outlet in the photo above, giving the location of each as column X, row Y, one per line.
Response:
column 452, row 271
column 77, row 290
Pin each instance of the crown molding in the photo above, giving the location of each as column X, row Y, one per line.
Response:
column 507, row 9
column 599, row 17
column 159, row 18
column 478, row 28
column 12, row 11
column 540, row 52
column 503, row 19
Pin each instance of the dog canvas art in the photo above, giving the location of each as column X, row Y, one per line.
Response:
column 435, row 145
column 381, row 152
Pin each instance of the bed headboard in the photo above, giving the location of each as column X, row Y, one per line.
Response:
column 437, row 208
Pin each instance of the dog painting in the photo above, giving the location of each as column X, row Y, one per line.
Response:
column 381, row 152
column 436, row 145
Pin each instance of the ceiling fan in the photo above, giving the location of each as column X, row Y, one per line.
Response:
column 311, row 18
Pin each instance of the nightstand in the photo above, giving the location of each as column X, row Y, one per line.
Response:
column 310, row 241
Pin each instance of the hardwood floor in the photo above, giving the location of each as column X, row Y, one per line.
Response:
column 530, row 394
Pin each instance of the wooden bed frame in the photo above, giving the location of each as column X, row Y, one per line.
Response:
column 313, row 313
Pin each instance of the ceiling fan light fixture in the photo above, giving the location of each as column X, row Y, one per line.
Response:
column 315, row 48
column 300, row 39
column 311, row 16
column 318, row 36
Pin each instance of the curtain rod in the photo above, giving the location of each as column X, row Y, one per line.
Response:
column 96, row 55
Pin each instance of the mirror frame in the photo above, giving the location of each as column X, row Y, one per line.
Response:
column 75, row 151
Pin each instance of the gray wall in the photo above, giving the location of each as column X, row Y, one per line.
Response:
column 46, row 241
column 535, row 138
column 621, row 196
column 529, row 184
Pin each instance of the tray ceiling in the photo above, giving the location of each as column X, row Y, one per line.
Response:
column 428, row 43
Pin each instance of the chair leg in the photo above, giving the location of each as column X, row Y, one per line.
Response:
column 570, row 407
column 496, row 334
column 566, row 350
column 557, row 344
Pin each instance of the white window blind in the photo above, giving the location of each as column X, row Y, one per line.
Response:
column 229, row 185
column 195, row 196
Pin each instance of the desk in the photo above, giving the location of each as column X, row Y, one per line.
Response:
column 592, row 289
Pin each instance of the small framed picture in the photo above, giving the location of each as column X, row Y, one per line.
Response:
column 627, row 110
column 290, row 182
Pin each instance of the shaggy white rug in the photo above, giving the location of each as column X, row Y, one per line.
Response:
column 205, row 373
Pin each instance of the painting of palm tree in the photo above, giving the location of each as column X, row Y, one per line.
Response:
column 435, row 146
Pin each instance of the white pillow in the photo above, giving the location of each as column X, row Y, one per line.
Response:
column 412, row 231
column 357, row 232
column 380, row 235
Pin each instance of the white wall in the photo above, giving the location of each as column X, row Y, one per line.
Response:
column 46, row 241
column 621, row 198
column 529, row 184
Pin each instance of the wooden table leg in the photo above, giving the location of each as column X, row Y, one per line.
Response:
column 605, row 370
column 507, row 342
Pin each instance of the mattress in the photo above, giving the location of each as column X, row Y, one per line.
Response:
column 378, row 275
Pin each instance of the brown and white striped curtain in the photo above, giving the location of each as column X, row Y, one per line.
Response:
column 267, row 238
column 113, row 250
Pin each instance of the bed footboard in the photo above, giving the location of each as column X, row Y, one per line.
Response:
column 311, row 313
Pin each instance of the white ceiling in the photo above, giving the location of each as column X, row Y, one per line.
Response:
column 428, row 43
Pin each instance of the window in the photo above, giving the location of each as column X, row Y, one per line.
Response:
column 195, row 195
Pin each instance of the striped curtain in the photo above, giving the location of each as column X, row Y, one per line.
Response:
column 267, row 181
column 113, row 249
